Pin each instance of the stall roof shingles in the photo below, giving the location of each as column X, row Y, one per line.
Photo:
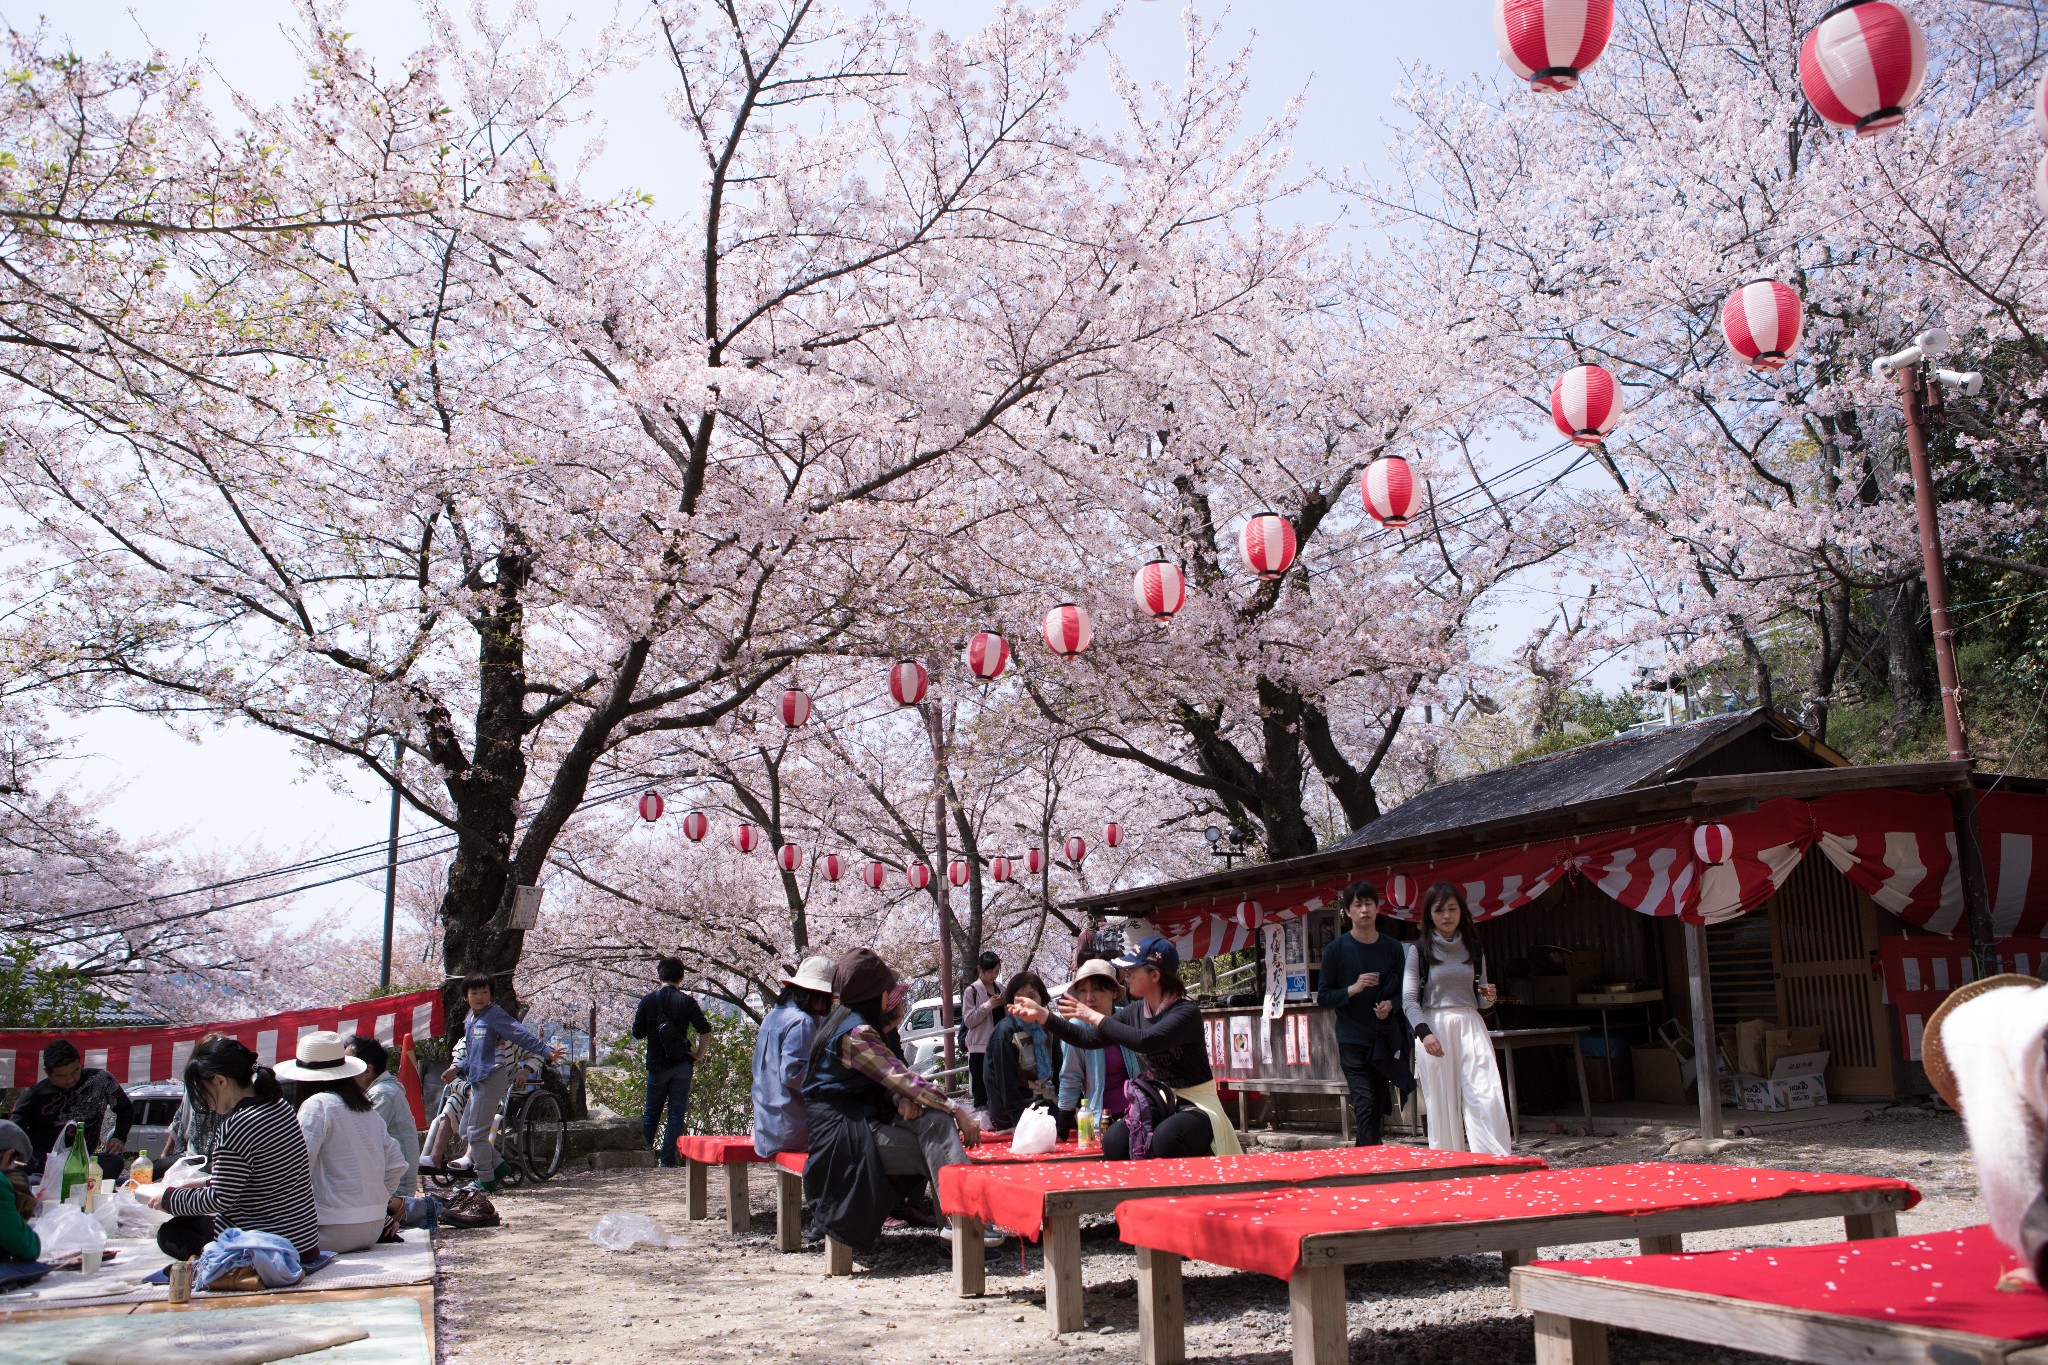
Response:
column 1587, row 773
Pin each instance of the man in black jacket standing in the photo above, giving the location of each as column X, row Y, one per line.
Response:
column 665, row 1018
column 1361, row 981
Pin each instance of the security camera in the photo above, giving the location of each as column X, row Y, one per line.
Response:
column 1969, row 383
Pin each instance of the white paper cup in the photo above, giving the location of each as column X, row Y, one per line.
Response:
column 89, row 1262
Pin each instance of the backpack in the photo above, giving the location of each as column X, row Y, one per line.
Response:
column 1151, row 1102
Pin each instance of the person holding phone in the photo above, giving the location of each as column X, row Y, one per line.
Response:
column 1443, row 989
column 1360, row 983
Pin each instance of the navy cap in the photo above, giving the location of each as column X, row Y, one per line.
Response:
column 1151, row 952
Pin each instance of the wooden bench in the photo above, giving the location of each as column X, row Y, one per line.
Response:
column 1048, row 1201
column 1308, row 1236
column 789, row 1193
column 1928, row 1300
column 700, row 1153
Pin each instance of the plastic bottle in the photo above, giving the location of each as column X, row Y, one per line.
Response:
column 1084, row 1126
column 144, row 1170
column 74, row 1162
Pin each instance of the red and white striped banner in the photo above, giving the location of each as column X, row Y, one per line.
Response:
column 138, row 1055
column 1919, row 973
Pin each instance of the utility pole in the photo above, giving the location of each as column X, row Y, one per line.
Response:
column 935, row 726
column 1920, row 397
column 391, row 867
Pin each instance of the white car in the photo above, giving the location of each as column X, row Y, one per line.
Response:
column 924, row 1039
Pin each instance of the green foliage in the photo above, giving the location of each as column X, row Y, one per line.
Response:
column 43, row 996
column 721, row 1090
column 1579, row 716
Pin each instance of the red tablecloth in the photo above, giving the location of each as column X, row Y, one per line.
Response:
column 792, row 1161
column 1939, row 1279
column 1263, row 1232
column 987, row 1154
column 716, row 1151
column 1013, row 1196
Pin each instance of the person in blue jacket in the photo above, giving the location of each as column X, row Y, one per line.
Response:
column 782, row 1057
column 489, row 1073
column 1096, row 1075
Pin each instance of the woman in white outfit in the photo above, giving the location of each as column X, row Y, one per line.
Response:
column 1443, row 990
column 356, row 1162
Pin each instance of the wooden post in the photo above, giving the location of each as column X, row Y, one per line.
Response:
column 697, row 1197
column 1568, row 1341
column 838, row 1257
column 1669, row 1244
column 1315, row 1304
column 1061, row 1242
column 789, row 1210
column 1162, row 1324
column 739, row 1213
column 1705, row 1047
column 970, row 1258
column 1861, row 1227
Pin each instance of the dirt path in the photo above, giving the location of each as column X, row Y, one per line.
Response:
column 537, row 1290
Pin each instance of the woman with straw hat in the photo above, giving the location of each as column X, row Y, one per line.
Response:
column 782, row 1056
column 356, row 1163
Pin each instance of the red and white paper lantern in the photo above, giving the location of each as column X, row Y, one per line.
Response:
column 1077, row 849
column 1112, row 834
column 1861, row 66
column 875, row 875
column 1000, row 868
column 907, row 683
column 1393, row 495
column 988, row 654
column 696, row 825
column 789, row 857
column 1160, row 587
column 1585, row 403
column 650, row 806
column 1034, row 860
column 1268, row 543
column 957, row 872
column 1248, row 912
column 1548, row 43
column 746, row 838
column 1713, row 844
column 796, row 707
column 1762, row 321
column 919, row 875
column 831, row 865
column 1401, row 891
column 1068, row 629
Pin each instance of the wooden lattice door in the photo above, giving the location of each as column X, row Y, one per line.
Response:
column 1823, row 933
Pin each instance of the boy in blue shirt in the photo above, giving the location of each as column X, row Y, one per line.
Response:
column 489, row 1073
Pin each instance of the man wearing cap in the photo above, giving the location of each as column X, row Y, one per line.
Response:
column 665, row 1018
column 781, row 1054
column 72, row 1092
column 871, row 1117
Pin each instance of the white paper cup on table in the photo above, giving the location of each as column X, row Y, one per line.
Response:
column 89, row 1261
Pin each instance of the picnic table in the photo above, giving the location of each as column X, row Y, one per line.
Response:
column 1308, row 1236
column 700, row 1152
column 789, row 1192
column 1048, row 1201
column 1928, row 1299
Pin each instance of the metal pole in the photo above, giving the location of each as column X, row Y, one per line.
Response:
column 943, row 894
column 391, row 867
column 1969, row 850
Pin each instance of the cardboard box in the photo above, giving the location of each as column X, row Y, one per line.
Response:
column 1661, row 1075
column 1795, row 1082
column 1609, row 1079
column 1789, row 1042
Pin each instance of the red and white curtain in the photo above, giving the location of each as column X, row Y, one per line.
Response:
column 138, row 1055
column 1918, row 973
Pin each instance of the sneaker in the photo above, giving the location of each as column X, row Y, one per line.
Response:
column 991, row 1235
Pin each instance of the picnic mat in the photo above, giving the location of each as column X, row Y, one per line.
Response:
column 397, row 1336
column 398, row 1263
column 1012, row 1195
column 716, row 1151
column 1939, row 1279
column 1263, row 1232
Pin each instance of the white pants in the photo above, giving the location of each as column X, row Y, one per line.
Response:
column 1461, row 1089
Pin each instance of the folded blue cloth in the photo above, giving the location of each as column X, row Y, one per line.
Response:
column 274, row 1258
column 313, row 1267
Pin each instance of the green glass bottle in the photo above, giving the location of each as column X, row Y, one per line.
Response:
column 74, row 1163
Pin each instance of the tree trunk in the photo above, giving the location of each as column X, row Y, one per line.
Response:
column 1906, row 659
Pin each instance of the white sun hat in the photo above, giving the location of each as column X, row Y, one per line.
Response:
column 323, row 1056
column 813, row 974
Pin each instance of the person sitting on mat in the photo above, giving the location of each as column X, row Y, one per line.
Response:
column 870, row 1116
column 18, row 1241
column 1164, row 1028
column 1443, row 989
column 259, row 1177
column 356, row 1162
column 1023, row 1061
column 1095, row 1076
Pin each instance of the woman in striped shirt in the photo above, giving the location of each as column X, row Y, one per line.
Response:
column 259, row 1178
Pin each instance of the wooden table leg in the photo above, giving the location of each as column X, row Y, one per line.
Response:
column 1519, row 1256
column 970, row 1258
column 1568, row 1341
column 1514, row 1104
column 1585, row 1095
column 1162, row 1319
column 1670, row 1244
column 789, row 1210
column 1062, row 1247
column 1315, row 1305
column 1344, row 1119
column 739, row 1213
column 695, row 1200
column 838, row 1257
column 1863, row 1226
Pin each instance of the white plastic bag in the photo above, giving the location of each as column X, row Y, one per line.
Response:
column 133, row 1218
column 49, row 1194
column 622, row 1231
column 186, row 1170
column 66, row 1229
column 1037, row 1132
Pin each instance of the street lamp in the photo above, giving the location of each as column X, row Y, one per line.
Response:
column 1238, row 837
column 1920, row 397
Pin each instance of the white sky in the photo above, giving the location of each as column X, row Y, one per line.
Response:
column 242, row 789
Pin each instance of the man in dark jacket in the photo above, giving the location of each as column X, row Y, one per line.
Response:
column 1361, row 983
column 72, row 1092
column 665, row 1018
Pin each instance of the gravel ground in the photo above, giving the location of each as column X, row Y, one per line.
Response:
column 537, row 1290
